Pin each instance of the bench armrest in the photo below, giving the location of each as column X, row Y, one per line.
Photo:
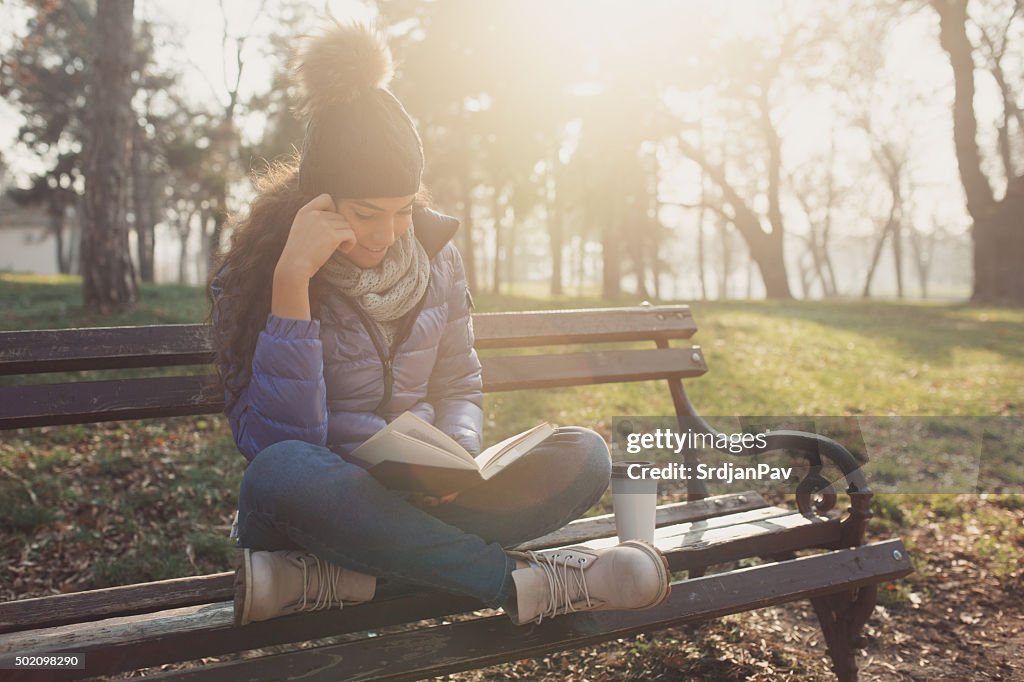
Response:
column 815, row 493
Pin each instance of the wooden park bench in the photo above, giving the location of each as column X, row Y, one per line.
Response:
column 186, row 619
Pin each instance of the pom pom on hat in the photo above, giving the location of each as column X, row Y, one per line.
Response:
column 359, row 140
column 339, row 65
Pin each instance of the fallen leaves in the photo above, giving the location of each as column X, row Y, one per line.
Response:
column 101, row 491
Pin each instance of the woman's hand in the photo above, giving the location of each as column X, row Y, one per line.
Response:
column 317, row 231
column 421, row 500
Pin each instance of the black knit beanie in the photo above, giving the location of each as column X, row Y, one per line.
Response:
column 359, row 140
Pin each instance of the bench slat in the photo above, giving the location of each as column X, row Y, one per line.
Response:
column 67, row 350
column 85, row 402
column 483, row 642
column 70, row 350
column 76, row 607
column 583, row 530
column 205, row 630
column 757, row 533
column 592, row 325
column 597, row 367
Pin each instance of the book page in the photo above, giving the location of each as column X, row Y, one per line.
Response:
column 416, row 427
column 395, row 446
column 431, row 438
column 512, row 448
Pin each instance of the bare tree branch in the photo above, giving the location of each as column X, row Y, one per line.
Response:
column 712, row 205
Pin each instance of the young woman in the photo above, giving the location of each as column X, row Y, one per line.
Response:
column 341, row 303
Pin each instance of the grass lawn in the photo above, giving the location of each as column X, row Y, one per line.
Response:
column 97, row 505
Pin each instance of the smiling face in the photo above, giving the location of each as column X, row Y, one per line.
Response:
column 377, row 222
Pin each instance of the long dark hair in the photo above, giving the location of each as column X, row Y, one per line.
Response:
column 245, row 271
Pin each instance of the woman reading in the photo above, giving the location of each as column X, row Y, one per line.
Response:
column 340, row 303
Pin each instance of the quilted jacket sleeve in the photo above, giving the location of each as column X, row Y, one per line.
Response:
column 456, row 382
column 285, row 397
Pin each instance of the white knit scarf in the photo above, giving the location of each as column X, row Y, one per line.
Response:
column 388, row 290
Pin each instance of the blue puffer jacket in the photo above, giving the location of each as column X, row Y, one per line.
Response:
column 332, row 382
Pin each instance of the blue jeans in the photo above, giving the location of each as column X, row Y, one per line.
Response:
column 296, row 495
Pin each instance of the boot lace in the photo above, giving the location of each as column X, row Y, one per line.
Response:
column 327, row 588
column 560, row 573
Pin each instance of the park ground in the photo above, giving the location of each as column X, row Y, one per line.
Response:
column 91, row 506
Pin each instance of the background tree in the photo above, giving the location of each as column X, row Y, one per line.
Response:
column 752, row 77
column 998, row 230
column 561, row 163
column 816, row 188
column 44, row 76
column 223, row 135
column 108, row 282
column 283, row 131
column 148, row 160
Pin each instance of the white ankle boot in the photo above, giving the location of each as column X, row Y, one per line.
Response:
column 630, row 576
column 272, row 584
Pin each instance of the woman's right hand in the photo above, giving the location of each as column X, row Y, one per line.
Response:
column 422, row 500
column 317, row 231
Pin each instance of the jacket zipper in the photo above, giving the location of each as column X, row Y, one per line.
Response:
column 387, row 360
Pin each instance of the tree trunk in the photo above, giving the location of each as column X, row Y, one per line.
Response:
column 183, row 261
column 108, row 283
column 923, row 249
column 496, row 210
column 998, row 229
column 226, row 142
column 897, row 256
column 142, row 198
column 866, row 293
column 184, row 230
column 723, row 238
column 700, row 221
column 656, row 264
column 766, row 248
column 556, row 230
column 636, row 253
column 468, row 247
column 816, row 260
column 999, row 250
column 55, row 211
column 831, row 289
column 806, row 277
column 769, row 256
column 640, row 269
column 580, row 252
column 814, row 250
column 701, row 271
column 829, row 285
column 75, row 252
column 611, row 259
column 508, row 248
column 653, row 246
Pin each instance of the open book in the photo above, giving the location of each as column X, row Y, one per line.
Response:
column 411, row 454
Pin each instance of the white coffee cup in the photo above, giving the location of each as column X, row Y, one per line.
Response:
column 635, row 500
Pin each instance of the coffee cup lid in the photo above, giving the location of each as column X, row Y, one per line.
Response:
column 621, row 469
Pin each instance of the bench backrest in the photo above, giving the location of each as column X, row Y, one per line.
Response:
column 162, row 346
